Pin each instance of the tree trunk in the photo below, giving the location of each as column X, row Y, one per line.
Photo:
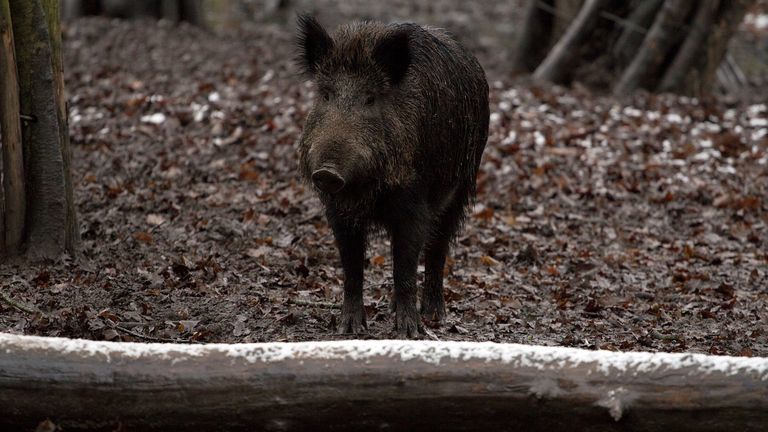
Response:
column 373, row 385
column 52, row 11
column 638, row 22
column 729, row 16
column 692, row 46
column 13, row 196
column 661, row 39
column 533, row 41
column 191, row 11
column 565, row 12
column 666, row 45
column 50, row 225
column 556, row 65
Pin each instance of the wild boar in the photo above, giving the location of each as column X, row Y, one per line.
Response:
column 393, row 142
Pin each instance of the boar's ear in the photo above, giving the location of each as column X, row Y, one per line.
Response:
column 393, row 53
column 313, row 42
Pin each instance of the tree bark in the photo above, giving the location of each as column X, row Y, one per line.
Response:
column 191, row 11
column 535, row 34
column 729, row 16
column 692, row 46
column 373, row 385
column 52, row 12
column 49, row 222
column 640, row 19
column 666, row 45
column 661, row 38
column 14, row 201
column 556, row 65
column 565, row 12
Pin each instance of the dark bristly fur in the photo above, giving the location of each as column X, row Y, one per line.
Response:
column 394, row 141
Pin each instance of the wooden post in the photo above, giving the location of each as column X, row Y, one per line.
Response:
column 14, row 197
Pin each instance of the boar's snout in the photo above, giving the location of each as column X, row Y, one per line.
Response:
column 328, row 180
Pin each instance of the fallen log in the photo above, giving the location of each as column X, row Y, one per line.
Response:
column 384, row 385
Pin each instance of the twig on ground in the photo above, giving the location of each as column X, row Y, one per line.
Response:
column 155, row 227
column 13, row 303
column 151, row 338
column 322, row 304
column 666, row 337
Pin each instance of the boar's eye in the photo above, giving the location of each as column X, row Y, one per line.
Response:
column 325, row 94
column 370, row 100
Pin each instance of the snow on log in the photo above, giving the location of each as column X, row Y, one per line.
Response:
column 384, row 385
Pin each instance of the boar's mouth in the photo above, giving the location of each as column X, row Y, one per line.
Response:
column 332, row 182
column 335, row 176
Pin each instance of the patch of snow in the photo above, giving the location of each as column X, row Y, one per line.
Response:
column 430, row 352
column 510, row 138
column 674, row 118
column 759, row 134
column 632, row 112
column 268, row 76
column 759, row 22
column 156, row 118
column 727, row 169
column 757, row 109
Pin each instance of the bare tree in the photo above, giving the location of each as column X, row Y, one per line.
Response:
column 38, row 205
column 13, row 196
column 658, row 45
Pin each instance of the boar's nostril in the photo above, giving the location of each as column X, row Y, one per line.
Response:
column 328, row 180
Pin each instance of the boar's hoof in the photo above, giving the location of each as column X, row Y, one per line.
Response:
column 433, row 310
column 407, row 323
column 328, row 180
column 353, row 322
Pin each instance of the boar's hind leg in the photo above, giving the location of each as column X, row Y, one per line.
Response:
column 407, row 242
column 351, row 244
column 435, row 252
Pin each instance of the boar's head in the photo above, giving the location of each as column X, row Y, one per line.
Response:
column 359, row 137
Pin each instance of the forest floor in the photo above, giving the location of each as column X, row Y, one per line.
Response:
column 639, row 224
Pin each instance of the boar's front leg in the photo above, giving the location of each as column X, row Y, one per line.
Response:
column 351, row 243
column 407, row 242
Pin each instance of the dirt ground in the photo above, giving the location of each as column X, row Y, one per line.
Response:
column 623, row 225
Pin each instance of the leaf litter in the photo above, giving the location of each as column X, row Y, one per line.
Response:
column 624, row 225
